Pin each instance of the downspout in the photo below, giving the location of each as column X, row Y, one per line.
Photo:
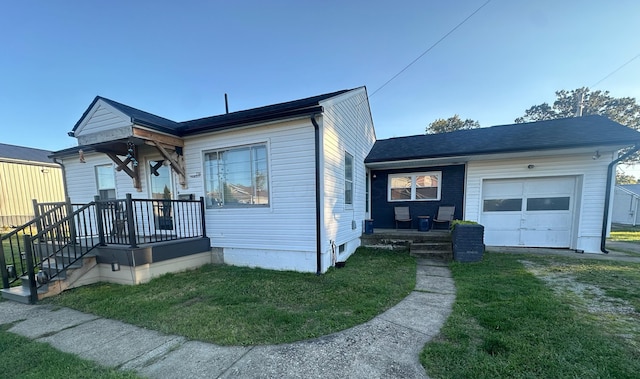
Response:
column 607, row 196
column 316, row 128
column 64, row 177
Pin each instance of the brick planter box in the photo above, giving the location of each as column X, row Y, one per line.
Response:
column 468, row 242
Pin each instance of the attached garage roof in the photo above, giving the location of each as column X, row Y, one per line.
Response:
column 533, row 136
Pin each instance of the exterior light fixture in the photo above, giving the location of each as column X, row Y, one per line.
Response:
column 115, row 266
column 596, row 155
column 531, row 167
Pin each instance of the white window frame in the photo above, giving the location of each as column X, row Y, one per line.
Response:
column 223, row 205
column 413, row 176
column 100, row 186
column 348, row 182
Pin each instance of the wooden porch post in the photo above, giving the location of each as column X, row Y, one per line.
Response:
column 131, row 223
column 99, row 220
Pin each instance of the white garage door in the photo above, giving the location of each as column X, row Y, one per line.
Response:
column 536, row 212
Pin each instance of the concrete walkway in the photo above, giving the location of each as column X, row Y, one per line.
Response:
column 388, row 346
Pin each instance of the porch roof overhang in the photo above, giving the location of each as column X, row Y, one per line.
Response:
column 126, row 145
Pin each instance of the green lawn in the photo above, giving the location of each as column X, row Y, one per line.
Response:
column 625, row 233
column 23, row 358
column 242, row 306
column 526, row 316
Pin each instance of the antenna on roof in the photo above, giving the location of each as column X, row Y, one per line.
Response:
column 226, row 103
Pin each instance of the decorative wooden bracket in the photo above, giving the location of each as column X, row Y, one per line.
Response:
column 175, row 160
column 134, row 172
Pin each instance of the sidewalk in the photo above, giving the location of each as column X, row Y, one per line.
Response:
column 388, row 346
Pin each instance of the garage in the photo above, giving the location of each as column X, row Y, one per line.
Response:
column 534, row 212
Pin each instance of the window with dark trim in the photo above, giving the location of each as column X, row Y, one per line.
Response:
column 237, row 177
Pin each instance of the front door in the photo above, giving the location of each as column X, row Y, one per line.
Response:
column 160, row 187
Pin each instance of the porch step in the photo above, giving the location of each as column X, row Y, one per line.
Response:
column 19, row 294
column 437, row 250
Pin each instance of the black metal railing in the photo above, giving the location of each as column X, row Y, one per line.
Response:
column 62, row 233
column 137, row 221
column 49, row 243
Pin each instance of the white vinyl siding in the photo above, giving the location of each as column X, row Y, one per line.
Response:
column 346, row 126
column 102, row 117
column 591, row 178
column 287, row 225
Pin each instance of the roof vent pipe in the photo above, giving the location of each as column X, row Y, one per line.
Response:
column 226, row 103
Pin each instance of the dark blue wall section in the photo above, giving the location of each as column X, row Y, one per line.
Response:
column 452, row 194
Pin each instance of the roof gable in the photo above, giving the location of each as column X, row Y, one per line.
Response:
column 123, row 114
column 21, row 153
column 533, row 136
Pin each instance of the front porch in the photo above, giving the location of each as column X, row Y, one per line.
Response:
column 126, row 241
column 435, row 243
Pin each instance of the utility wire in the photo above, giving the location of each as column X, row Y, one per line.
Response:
column 430, row 48
column 616, row 70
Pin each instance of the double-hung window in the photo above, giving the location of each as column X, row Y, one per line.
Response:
column 348, row 179
column 106, row 182
column 417, row 186
column 237, row 177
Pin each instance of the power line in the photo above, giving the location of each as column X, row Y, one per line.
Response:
column 616, row 70
column 430, row 48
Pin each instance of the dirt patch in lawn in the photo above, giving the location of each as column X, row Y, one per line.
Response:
column 618, row 316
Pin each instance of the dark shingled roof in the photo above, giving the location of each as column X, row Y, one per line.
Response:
column 294, row 108
column 24, row 153
column 533, row 136
column 300, row 107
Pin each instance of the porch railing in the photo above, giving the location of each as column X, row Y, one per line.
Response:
column 62, row 233
column 137, row 221
column 47, row 245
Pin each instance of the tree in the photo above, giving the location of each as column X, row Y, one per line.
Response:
column 451, row 124
column 624, row 110
column 622, row 178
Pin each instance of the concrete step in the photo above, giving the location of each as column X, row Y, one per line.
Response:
column 432, row 250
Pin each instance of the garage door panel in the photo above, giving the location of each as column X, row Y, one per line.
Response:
column 545, row 238
column 502, row 221
column 547, row 221
column 545, row 218
column 501, row 237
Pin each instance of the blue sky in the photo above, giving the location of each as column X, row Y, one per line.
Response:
column 177, row 59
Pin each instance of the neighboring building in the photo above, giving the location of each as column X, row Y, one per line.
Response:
column 284, row 185
column 540, row 184
column 26, row 174
column 626, row 204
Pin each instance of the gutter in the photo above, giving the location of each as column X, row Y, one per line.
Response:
column 316, row 128
column 607, row 196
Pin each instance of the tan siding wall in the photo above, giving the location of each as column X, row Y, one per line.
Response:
column 20, row 184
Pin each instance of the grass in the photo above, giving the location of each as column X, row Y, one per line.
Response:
column 23, row 358
column 625, row 233
column 566, row 321
column 242, row 306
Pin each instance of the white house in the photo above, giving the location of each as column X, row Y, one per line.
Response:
column 540, row 184
column 283, row 185
column 626, row 204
